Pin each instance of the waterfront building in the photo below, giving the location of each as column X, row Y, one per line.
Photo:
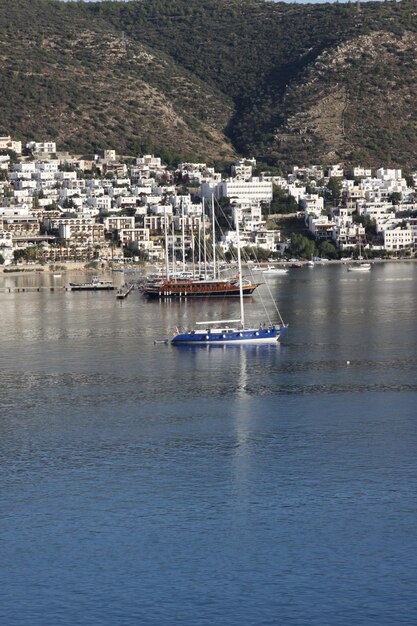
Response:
column 398, row 238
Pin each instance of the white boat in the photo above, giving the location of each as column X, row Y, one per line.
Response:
column 362, row 266
column 95, row 285
column 274, row 271
column 310, row 264
column 359, row 267
column 220, row 332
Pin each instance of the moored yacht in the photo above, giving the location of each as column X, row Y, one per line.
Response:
column 359, row 267
column 219, row 332
column 198, row 288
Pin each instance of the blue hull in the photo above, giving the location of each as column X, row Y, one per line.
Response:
column 252, row 336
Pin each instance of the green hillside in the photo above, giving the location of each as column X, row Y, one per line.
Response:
column 212, row 78
column 72, row 77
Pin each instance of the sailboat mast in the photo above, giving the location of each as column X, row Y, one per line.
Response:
column 183, row 236
column 204, row 242
column 214, row 236
column 173, row 248
column 166, row 245
column 199, row 247
column 192, row 246
column 239, row 263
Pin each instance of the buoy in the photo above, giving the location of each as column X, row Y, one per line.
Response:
column 347, row 362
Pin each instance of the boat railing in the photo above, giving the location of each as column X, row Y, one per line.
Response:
column 218, row 322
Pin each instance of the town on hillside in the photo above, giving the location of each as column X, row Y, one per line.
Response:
column 106, row 209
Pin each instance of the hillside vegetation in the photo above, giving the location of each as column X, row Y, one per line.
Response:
column 288, row 83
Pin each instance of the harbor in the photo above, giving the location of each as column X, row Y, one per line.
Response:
column 208, row 338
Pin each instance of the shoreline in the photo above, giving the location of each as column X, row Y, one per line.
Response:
column 80, row 267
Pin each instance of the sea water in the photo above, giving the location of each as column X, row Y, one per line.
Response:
column 147, row 484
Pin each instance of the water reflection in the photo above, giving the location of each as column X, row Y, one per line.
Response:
column 263, row 475
column 332, row 319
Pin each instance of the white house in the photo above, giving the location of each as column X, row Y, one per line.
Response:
column 47, row 147
column 312, row 203
column 242, row 170
column 335, row 171
column 361, row 172
column 7, row 143
column 398, row 238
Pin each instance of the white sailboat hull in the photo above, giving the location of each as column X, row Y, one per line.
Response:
column 365, row 267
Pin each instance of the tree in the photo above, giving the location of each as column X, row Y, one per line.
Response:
column 68, row 203
column 282, row 202
column 19, row 255
column 395, row 198
column 302, row 246
column 12, row 154
column 224, row 213
column 328, row 250
column 129, row 211
column 334, row 187
column 370, row 226
column 255, row 253
column 27, row 254
column 130, row 249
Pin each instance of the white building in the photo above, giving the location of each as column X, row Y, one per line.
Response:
column 375, row 209
column 7, row 143
column 321, row 227
column 126, row 201
column 102, row 203
column 296, row 191
column 150, row 161
column 42, row 147
column 253, row 190
column 266, row 239
column 242, row 170
column 85, row 231
column 388, row 174
column 398, row 238
column 136, row 235
column 115, row 223
column 361, row 172
column 335, row 171
column 312, row 203
column 249, row 214
column 48, row 166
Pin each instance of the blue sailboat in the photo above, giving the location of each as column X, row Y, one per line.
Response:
column 224, row 334
column 231, row 331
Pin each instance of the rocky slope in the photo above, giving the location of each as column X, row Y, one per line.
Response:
column 87, row 86
column 213, row 78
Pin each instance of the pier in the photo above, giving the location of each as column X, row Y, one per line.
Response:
column 124, row 291
column 32, row 289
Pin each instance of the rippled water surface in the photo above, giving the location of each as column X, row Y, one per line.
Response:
column 147, row 484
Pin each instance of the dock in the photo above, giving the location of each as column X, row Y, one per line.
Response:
column 31, row 289
column 124, row 291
